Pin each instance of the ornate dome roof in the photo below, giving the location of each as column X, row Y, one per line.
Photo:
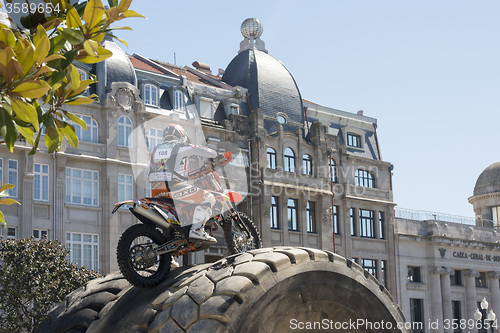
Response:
column 271, row 86
column 489, row 180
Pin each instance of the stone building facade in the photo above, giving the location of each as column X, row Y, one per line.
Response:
column 311, row 175
column 446, row 269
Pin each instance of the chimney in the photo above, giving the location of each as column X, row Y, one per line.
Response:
column 202, row 67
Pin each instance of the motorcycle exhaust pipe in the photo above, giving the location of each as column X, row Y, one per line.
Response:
column 151, row 213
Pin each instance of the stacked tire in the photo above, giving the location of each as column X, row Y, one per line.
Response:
column 277, row 289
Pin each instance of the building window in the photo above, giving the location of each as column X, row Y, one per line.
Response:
column 414, row 274
column 352, row 219
column 150, row 94
column 417, row 315
column 271, row 158
column 179, row 101
column 82, row 187
column 13, row 177
column 289, row 160
column 353, row 140
column 292, row 214
column 381, row 225
column 154, row 137
column 336, row 222
column 307, row 165
column 332, row 169
column 311, row 216
column 41, row 182
column 367, row 223
column 83, row 76
column 495, row 213
column 370, row 265
column 383, row 270
column 274, row 214
column 89, row 135
column 125, row 189
column 456, row 309
column 83, row 249
column 364, row 178
column 11, row 233
column 456, row 278
column 481, row 280
column 124, row 132
column 40, row 233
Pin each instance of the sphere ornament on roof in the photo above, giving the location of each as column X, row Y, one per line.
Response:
column 252, row 27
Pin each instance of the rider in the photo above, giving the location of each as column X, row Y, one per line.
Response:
column 168, row 174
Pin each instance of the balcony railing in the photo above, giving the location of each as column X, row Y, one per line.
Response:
column 421, row 215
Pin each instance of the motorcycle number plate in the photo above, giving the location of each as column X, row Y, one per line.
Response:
column 162, row 153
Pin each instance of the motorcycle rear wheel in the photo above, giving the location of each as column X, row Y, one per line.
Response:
column 135, row 258
column 238, row 239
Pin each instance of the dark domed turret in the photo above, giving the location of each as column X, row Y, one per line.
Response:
column 271, row 87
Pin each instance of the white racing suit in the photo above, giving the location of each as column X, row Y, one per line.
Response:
column 168, row 173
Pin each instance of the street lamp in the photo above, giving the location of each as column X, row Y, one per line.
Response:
column 491, row 316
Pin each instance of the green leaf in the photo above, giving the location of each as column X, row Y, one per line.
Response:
column 27, row 133
column 73, row 18
column 8, row 129
column 91, row 47
column 76, row 120
column 26, row 112
column 8, row 201
column 31, row 89
column 113, row 3
column 2, row 219
column 132, row 13
column 52, row 138
column 69, row 132
column 73, row 36
column 93, row 14
column 103, row 54
column 6, row 187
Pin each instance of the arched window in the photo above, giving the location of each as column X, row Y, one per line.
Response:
column 153, row 138
column 332, row 170
column 179, row 104
column 124, row 132
column 289, row 160
column 307, row 165
column 271, row 158
column 364, row 178
column 89, row 135
column 150, row 94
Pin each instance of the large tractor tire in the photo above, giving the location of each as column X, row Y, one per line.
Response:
column 281, row 289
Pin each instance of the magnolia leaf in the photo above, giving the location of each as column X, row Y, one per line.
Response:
column 31, row 89
column 52, row 138
column 26, row 112
column 73, row 36
column 2, row 219
column 7, row 37
column 78, row 101
column 91, row 47
column 103, row 54
column 42, row 43
column 26, row 57
column 6, row 187
column 124, row 5
column 74, row 78
column 112, row 13
column 53, row 57
column 76, row 120
column 93, row 14
column 112, row 3
column 131, row 13
column 27, row 133
column 8, row 201
column 73, row 18
column 69, row 132
column 8, row 129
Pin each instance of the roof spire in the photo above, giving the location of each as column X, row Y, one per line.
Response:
column 252, row 29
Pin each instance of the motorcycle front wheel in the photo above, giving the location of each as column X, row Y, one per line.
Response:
column 241, row 233
column 136, row 259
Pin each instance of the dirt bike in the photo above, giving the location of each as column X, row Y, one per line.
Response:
column 145, row 249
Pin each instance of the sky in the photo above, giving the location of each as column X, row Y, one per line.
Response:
column 428, row 71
